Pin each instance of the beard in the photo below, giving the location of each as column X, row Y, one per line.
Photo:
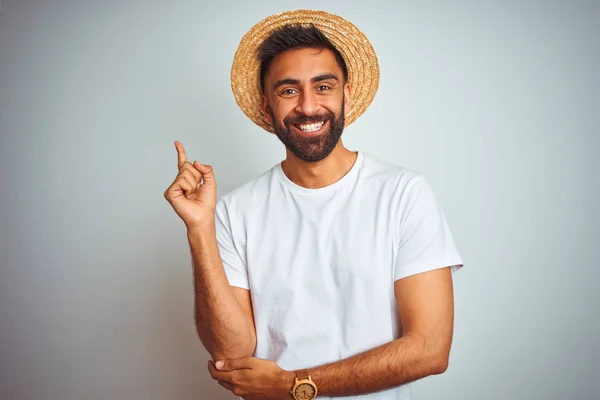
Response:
column 310, row 148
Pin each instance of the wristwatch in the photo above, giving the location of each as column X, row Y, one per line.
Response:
column 304, row 387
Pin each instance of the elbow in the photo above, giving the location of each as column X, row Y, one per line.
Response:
column 439, row 355
column 229, row 354
column 220, row 349
column 435, row 355
column 230, row 351
column 439, row 364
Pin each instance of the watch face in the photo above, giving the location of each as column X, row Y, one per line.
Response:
column 304, row 391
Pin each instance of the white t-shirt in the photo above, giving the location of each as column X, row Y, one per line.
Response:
column 321, row 263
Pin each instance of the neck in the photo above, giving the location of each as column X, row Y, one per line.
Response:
column 314, row 175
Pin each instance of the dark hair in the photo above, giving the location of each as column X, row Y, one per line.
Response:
column 291, row 37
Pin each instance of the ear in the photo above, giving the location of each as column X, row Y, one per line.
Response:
column 347, row 94
column 265, row 108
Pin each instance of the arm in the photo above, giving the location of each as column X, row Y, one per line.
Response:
column 425, row 302
column 426, row 307
column 223, row 313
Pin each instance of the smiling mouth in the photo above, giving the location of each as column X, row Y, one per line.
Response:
column 310, row 128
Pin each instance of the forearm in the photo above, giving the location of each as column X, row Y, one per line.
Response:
column 220, row 321
column 403, row 360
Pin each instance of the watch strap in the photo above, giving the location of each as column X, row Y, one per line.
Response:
column 302, row 374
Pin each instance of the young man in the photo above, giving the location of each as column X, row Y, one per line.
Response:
column 330, row 274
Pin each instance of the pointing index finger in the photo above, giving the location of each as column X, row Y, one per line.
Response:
column 181, row 156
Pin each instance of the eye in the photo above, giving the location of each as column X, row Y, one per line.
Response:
column 288, row 91
column 323, row 87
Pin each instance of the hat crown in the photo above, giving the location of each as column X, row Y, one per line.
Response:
column 353, row 45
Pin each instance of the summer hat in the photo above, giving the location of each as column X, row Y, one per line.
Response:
column 353, row 45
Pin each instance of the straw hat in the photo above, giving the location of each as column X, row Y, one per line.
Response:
column 353, row 45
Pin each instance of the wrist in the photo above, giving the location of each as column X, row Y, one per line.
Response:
column 287, row 381
column 304, row 387
column 203, row 227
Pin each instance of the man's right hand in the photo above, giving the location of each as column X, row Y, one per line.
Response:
column 193, row 193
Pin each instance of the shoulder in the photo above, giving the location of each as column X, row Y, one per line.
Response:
column 249, row 193
column 395, row 177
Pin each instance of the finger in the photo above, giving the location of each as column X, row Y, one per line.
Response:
column 187, row 175
column 181, row 156
column 185, row 186
column 192, row 188
column 227, row 386
column 237, row 391
column 219, row 375
column 233, row 364
column 207, row 172
column 185, row 172
column 188, row 166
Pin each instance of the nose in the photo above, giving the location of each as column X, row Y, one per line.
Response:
column 307, row 103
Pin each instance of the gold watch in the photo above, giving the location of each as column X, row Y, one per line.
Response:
column 304, row 387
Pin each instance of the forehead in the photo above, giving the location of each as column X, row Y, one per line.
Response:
column 303, row 64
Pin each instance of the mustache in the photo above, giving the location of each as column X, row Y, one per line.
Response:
column 308, row 119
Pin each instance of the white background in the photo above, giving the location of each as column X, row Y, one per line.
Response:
column 496, row 103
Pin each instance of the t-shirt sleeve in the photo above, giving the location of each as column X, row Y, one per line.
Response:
column 233, row 263
column 425, row 241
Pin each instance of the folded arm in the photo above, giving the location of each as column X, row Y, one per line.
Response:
column 426, row 309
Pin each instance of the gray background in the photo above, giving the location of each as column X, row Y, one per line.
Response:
column 496, row 103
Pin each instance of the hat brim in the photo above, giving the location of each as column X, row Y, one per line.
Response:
column 353, row 45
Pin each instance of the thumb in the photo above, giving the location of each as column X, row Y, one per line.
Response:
column 230, row 365
column 206, row 171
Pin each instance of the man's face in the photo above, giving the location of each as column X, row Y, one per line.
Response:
column 305, row 99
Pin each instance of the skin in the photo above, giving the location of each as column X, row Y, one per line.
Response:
column 308, row 98
column 224, row 314
column 426, row 310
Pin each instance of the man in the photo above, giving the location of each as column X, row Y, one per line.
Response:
column 330, row 274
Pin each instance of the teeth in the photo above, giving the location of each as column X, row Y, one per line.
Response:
column 312, row 127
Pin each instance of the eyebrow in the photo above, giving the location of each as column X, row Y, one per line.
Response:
column 290, row 81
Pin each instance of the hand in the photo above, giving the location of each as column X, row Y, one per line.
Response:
column 253, row 378
column 193, row 194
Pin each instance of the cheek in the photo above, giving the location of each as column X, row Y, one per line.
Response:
column 333, row 102
column 283, row 108
column 334, row 107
